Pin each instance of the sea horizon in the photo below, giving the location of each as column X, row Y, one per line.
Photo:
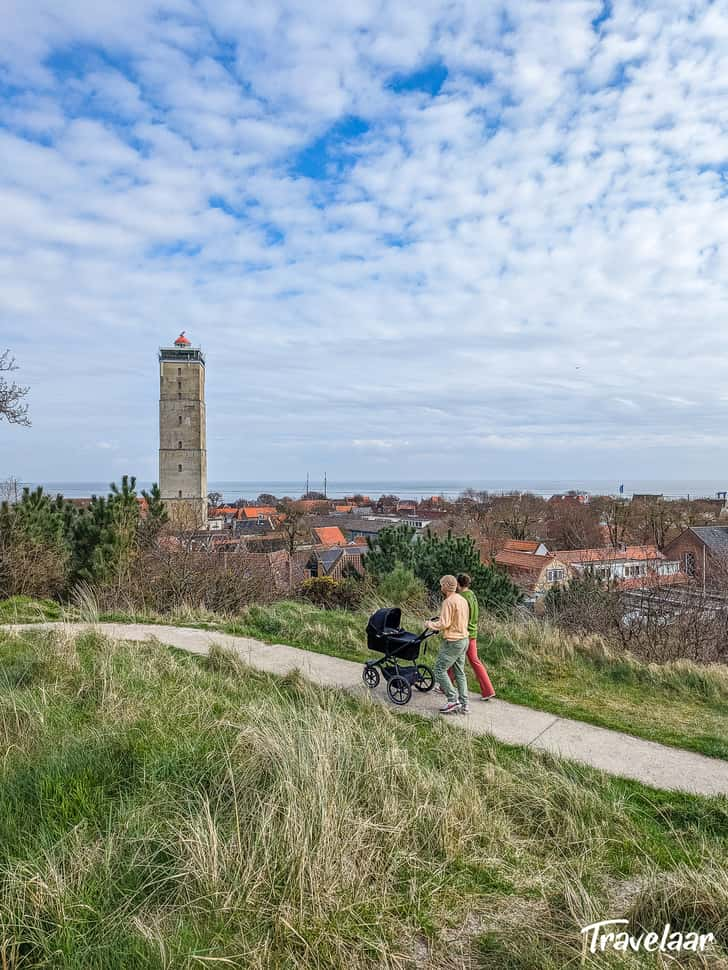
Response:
column 416, row 489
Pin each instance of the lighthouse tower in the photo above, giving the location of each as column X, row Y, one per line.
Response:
column 182, row 435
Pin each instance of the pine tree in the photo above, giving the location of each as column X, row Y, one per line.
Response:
column 431, row 557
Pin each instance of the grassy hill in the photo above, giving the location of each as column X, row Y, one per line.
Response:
column 159, row 810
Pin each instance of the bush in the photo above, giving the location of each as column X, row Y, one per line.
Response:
column 332, row 594
column 402, row 588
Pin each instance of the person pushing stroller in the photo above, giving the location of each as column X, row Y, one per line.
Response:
column 453, row 625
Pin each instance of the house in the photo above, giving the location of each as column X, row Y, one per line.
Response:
column 253, row 527
column 353, row 526
column 275, row 569
column 330, row 535
column 259, row 512
column 570, row 498
column 533, row 574
column 417, row 521
column 702, row 552
column 532, row 547
column 335, row 561
column 626, row 562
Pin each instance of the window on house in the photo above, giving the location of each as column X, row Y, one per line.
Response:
column 690, row 563
column 555, row 575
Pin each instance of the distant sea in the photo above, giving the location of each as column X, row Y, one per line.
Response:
column 424, row 487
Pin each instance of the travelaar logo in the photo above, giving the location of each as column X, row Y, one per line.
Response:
column 600, row 939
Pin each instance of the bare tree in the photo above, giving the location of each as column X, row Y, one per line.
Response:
column 214, row 499
column 296, row 528
column 12, row 405
column 519, row 513
column 571, row 525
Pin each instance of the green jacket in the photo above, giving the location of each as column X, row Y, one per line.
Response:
column 472, row 599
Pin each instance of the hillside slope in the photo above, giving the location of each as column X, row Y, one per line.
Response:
column 160, row 810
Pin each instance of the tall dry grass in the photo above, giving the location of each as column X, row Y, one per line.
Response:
column 159, row 810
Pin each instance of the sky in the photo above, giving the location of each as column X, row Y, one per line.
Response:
column 456, row 239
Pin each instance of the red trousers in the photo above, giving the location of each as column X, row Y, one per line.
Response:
column 486, row 688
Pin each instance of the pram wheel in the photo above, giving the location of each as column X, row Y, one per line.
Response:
column 370, row 676
column 399, row 690
column 425, row 679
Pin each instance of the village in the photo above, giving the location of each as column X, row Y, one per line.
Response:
column 539, row 543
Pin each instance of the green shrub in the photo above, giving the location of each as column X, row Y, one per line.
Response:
column 402, row 588
column 331, row 594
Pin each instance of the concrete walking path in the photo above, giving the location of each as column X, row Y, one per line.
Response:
column 619, row 754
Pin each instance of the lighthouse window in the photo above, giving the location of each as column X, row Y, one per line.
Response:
column 179, row 468
column 179, row 372
column 179, row 444
column 179, row 395
column 179, row 419
column 180, row 493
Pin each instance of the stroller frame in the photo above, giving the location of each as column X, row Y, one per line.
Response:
column 383, row 628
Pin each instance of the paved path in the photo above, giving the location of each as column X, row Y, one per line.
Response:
column 620, row 754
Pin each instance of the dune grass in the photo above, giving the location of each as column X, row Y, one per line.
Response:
column 682, row 704
column 160, row 810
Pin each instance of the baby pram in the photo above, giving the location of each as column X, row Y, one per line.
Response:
column 385, row 635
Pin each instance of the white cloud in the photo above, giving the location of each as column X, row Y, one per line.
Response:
column 531, row 263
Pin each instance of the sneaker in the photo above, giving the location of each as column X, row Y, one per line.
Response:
column 438, row 689
column 452, row 707
column 488, row 698
column 464, row 709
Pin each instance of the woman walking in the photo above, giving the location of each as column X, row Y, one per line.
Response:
column 453, row 625
column 477, row 665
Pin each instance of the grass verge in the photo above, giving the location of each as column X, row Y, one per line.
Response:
column 161, row 810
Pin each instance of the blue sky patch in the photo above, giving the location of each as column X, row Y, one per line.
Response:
column 330, row 154
column 428, row 79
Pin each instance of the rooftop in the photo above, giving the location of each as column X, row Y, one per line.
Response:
column 610, row 554
column 715, row 537
column 523, row 560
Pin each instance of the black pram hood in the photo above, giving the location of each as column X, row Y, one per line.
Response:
column 385, row 621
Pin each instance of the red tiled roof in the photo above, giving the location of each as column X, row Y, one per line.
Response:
column 521, row 545
column 523, row 560
column 313, row 504
column 330, row 535
column 609, row 554
column 344, row 508
column 253, row 511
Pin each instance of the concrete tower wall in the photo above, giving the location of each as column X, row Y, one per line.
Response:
column 182, row 436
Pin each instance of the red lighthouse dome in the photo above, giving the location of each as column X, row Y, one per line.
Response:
column 182, row 341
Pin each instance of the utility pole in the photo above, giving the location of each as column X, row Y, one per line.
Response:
column 306, row 494
column 324, row 484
